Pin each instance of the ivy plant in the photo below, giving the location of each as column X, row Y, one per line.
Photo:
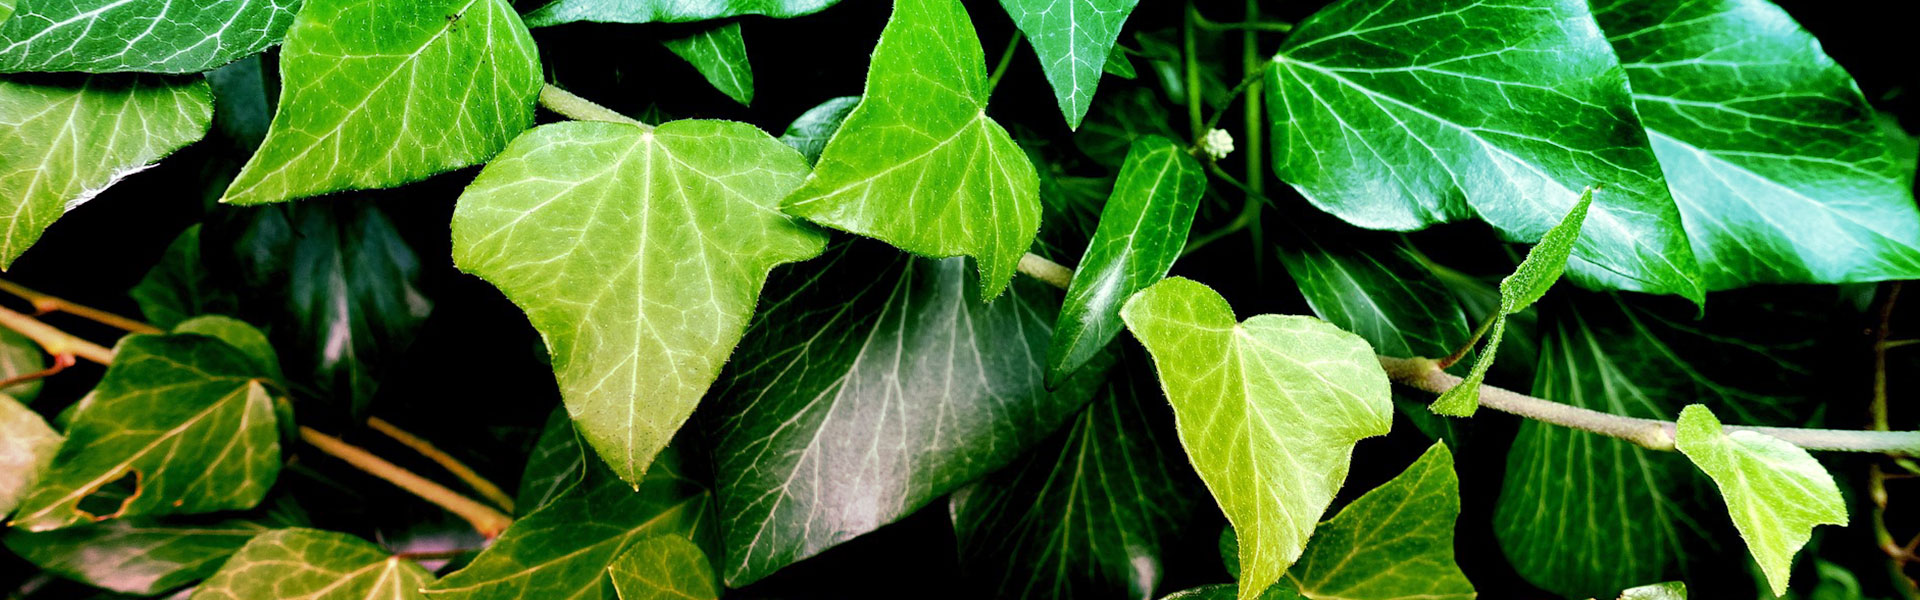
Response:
column 1129, row 299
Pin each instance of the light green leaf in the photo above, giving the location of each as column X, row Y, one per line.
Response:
column 64, row 139
column 558, row 462
column 313, row 565
column 20, row 356
column 918, row 164
column 1092, row 513
column 1531, row 280
column 1775, row 491
column 6, row 9
column 164, row 36
column 810, row 131
column 873, row 345
column 1268, row 410
column 1781, row 173
column 181, row 286
column 668, row 11
column 638, row 253
column 1671, row 590
column 562, row 551
column 1142, row 230
column 1400, row 115
column 1074, row 41
column 1228, row 591
column 27, row 446
column 377, row 94
column 1396, row 541
column 185, row 417
column 720, row 54
column 143, row 557
column 664, row 567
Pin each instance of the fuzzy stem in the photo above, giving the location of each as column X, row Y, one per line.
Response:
column 56, row 342
column 581, row 109
column 446, row 461
column 485, row 519
column 45, row 303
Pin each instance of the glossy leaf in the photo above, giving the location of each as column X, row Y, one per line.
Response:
column 20, row 356
column 667, row 11
column 872, row 384
column 27, row 445
column 163, row 36
column 1074, row 40
column 664, row 567
column 1400, row 115
column 1396, row 541
column 918, row 164
column 240, row 335
column 562, row 551
column 143, row 557
column 558, row 462
column 180, row 286
column 313, row 565
column 377, row 94
column 1228, row 591
column 1671, row 590
column 1775, row 491
column 1091, row 513
column 720, row 55
column 1142, row 230
column 1247, row 396
column 1780, row 170
column 65, row 139
column 638, row 254
column 1529, row 281
column 810, row 131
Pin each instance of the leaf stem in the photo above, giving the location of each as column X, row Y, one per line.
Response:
column 1191, row 56
column 1473, row 340
column 46, row 303
column 1253, row 121
column 1425, row 374
column 485, row 519
column 1006, row 59
column 581, row 109
column 54, row 341
column 446, row 461
column 1252, row 24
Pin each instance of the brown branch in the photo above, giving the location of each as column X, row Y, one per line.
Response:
column 44, row 303
column 446, row 461
column 485, row 519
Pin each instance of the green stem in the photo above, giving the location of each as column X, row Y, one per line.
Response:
column 1251, row 70
column 1188, row 51
column 1252, row 24
column 1006, row 58
column 581, row 109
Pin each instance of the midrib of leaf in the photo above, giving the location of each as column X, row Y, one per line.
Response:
column 85, row 15
column 868, row 181
column 619, row 541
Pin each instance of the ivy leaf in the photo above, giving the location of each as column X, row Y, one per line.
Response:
column 1142, row 230
column 1228, row 591
column 138, row 35
column 181, row 286
column 27, row 445
column 937, row 388
column 143, row 557
column 241, row 336
column 720, row 55
column 1396, row 541
column 668, row 11
column 558, row 462
column 187, row 417
column 1671, row 590
column 377, row 94
column 1090, row 513
column 1531, row 280
column 1397, row 115
column 809, row 133
column 1273, row 390
column 20, row 356
column 562, row 551
column 918, row 164
column 315, row 565
column 1775, row 491
column 1780, row 170
column 6, row 9
column 1113, row 125
column 65, row 139
column 1074, row 41
column 638, row 253
column 664, row 567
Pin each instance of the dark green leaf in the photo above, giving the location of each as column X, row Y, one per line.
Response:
column 100, row 36
column 241, row 336
column 135, row 556
column 1228, row 591
column 872, row 384
column 313, row 565
column 720, row 55
column 1115, row 123
column 919, row 164
column 180, row 286
column 557, row 464
column 20, row 356
column 1074, row 40
column 27, row 445
column 664, row 567
column 1775, row 491
column 1394, row 542
column 809, row 133
column 1142, row 231
column 671, row 11
column 1118, row 65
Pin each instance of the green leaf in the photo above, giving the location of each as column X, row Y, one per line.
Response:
column 562, row 551
column 1142, row 231
column 64, row 139
column 1114, row 124
column 918, row 164
column 809, row 133
column 1092, row 513
column 27, row 446
column 314, row 565
column 161, row 36
column 1775, row 491
column 558, row 463
column 1396, row 541
column 665, row 567
column 240, row 335
column 1531, row 280
column 1074, row 41
column 720, row 54
column 873, row 345
column 143, row 557
column 668, row 11
column 6, row 9
column 20, row 356
column 377, row 94
column 1273, row 390
column 181, row 286
column 638, row 253
column 1780, row 170
column 1118, row 64
column 1671, row 590
column 1400, row 115
column 186, row 417
column 1228, row 591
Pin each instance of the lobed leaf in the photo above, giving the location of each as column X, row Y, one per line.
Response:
column 161, row 36
column 1395, row 541
column 313, row 565
column 1775, row 491
column 181, row 286
column 665, row 567
column 720, row 55
column 1074, row 40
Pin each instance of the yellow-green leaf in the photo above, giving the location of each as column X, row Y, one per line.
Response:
column 1775, row 491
